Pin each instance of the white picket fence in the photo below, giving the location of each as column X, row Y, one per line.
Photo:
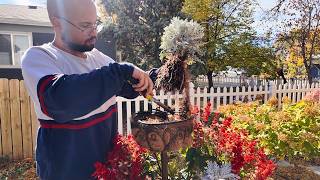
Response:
column 221, row 81
column 217, row 96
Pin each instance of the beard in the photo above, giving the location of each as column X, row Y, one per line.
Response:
column 78, row 47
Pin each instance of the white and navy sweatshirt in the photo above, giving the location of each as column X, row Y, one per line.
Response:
column 74, row 100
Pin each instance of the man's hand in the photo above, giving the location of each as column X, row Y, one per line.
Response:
column 145, row 84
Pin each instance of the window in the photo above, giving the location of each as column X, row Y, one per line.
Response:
column 12, row 48
column 5, row 50
column 20, row 45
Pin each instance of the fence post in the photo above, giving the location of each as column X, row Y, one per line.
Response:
column 273, row 89
column 191, row 94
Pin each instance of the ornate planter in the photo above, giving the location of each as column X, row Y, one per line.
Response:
column 154, row 131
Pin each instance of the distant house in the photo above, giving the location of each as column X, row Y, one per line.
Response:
column 315, row 67
column 24, row 26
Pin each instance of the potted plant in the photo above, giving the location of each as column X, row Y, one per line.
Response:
column 158, row 130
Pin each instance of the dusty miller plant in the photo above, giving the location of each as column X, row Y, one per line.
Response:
column 181, row 45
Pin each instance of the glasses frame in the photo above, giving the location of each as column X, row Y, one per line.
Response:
column 89, row 29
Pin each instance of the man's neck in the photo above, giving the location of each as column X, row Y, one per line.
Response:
column 63, row 47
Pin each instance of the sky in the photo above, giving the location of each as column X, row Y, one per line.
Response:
column 24, row 2
column 259, row 25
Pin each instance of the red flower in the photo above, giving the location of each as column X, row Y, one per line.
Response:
column 195, row 110
column 233, row 143
column 227, row 122
column 198, row 134
column 265, row 169
column 125, row 161
column 206, row 113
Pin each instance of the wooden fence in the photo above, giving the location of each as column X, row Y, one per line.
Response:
column 19, row 124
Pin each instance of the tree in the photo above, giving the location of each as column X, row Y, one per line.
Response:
column 245, row 52
column 138, row 27
column 226, row 24
column 300, row 21
column 289, row 58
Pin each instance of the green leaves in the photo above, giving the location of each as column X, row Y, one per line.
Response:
column 229, row 38
column 139, row 26
column 287, row 132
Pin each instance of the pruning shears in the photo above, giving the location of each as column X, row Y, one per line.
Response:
column 156, row 101
column 159, row 103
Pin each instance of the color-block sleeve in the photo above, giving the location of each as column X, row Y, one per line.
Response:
column 65, row 97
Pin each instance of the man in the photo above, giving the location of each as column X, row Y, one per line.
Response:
column 73, row 87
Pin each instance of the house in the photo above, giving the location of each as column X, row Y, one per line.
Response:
column 315, row 67
column 24, row 26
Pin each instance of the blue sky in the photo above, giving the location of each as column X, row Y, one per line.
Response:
column 260, row 26
column 23, row 2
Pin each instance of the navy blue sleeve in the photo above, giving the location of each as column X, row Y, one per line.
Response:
column 65, row 97
column 128, row 92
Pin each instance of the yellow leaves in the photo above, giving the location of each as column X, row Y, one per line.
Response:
column 200, row 10
column 286, row 100
column 273, row 101
column 260, row 126
column 311, row 111
column 280, row 131
column 300, row 62
column 282, row 137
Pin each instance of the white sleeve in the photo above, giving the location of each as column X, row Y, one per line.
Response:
column 37, row 63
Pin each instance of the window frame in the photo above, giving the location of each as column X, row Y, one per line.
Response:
column 13, row 33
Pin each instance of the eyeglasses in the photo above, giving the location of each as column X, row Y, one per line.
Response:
column 88, row 27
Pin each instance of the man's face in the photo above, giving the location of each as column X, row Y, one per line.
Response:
column 78, row 28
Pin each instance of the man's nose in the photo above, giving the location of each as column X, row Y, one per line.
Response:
column 93, row 32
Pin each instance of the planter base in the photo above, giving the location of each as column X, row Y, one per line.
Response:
column 163, row 135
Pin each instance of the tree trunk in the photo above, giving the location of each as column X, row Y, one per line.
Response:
column 309, row 76
column 209, row 76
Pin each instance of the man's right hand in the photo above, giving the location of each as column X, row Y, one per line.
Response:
column 145, row 84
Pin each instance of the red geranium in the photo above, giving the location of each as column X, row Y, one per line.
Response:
column 228, row 141
column 125, row 161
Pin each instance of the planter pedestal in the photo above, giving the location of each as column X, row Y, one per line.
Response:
column 161, row 136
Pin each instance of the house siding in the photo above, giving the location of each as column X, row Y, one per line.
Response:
column 25, row 28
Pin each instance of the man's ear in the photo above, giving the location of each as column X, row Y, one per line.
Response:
column 56, row 23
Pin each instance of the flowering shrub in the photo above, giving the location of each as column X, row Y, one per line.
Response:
column 219, row 150
column 216, row 140
column 125, row 161
column 313, row 96
column 286, row 132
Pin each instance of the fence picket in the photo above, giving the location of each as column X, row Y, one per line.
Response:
column 120, row 118
column 218, row 96
column 16, row 124
column 129, row 116
column 26, row 122
column 5, row 118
